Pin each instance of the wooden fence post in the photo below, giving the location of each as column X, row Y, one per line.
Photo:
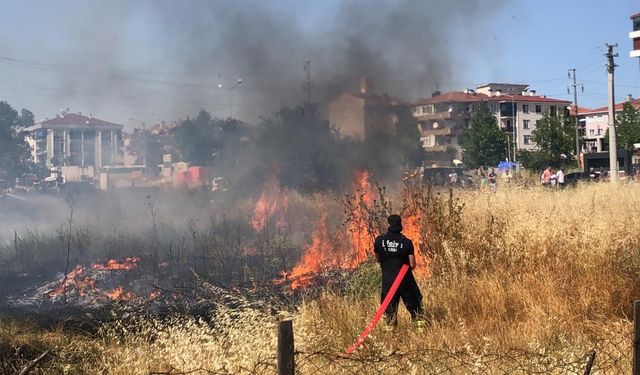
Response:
column 636, row 338
column 286, row 354
column 590, row 359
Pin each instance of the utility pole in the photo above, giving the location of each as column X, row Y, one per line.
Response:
column 514, row 128
column 613, row 149
column 307, row 82
column 575, row 106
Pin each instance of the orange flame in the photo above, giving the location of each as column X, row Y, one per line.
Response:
column 273, row 202
column 324, row 254
column 78, row 280
column 319, row 256
column 75, row 279
column 155, row 294
column 119, row 294
column 113, row 264
column 411, row 229
column 361, row 236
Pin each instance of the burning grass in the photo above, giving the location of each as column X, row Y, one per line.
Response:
column 550, row 274
column 522, row 280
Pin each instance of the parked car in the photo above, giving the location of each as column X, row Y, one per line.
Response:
column 447, row 176
column 571, row 179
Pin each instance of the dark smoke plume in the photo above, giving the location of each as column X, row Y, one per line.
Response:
column 402, row 45
column 407, row 47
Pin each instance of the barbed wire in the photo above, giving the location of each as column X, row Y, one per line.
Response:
column 611, row 357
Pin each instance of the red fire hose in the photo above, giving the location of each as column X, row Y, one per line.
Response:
column 381, row 309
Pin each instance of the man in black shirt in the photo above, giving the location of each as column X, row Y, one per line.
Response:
column 392, row 251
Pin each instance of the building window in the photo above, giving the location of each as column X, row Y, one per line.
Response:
column 636, row 24
column 525, row 124
column 592, row 132
column 427, row 141
column 599, row 131
column 527, row 140
column 553, row 111
column 507, row 109
column 525, row 108
column 538, row 108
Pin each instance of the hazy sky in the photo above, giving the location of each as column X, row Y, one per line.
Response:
column 145, row 61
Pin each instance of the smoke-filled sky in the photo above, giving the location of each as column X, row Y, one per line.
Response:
column 144, row 61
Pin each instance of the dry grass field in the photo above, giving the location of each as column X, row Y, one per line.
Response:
column 525, row 280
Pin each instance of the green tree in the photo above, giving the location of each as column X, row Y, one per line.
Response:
column 26, row 117
column 197, row 140
column 15, row 157
column 147, row 148
column 304, row 148
column 483, row 143
column 554, row 137
column 627, row 128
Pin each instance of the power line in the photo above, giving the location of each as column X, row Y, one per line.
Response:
column 549, row 68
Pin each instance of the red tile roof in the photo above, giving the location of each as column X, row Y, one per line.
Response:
column 462, row 97
column 635, row 16
column 618, row 107
column 78, row 120
column 451, row 97
column 581, row 110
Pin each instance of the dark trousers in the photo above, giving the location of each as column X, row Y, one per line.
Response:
column 408, row 292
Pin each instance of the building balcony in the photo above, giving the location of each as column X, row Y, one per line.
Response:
column 437, row 148
column 446, row 115
column 441, row 131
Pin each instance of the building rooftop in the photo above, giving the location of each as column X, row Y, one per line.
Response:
column 74, row 120
column 469, row 97
column 581, row 110
column 452, row 97
column 502, row 84
column 618, row 107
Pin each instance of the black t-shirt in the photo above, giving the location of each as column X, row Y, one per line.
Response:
column 393, row 250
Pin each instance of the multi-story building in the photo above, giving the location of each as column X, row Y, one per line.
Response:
column 597, row 122
column 443, row 117
column 441, row 120
column 356, row 114
column 77, row 145
column 635, row 35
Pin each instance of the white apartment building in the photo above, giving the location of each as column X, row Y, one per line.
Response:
column 75, row 144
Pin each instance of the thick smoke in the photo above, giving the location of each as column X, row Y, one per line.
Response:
column 402, row 45
column 408, row 47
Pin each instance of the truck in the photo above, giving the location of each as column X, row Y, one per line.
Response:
column 597, row 163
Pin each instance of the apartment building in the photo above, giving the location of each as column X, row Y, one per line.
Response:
column 596, row 123
column 443, row 117
column 356, row 114
column 635, row 36
column 76, row 144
